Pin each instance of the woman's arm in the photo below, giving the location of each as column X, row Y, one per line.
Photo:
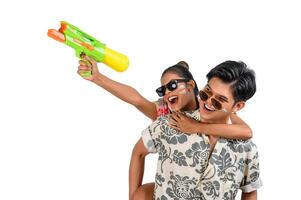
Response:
column 121, row 91
column 237, row 130
column 136, row 170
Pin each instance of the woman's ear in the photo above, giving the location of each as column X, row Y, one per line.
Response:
column 238, row 106
column 190, row 85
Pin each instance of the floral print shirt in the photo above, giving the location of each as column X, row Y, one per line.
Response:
column 182, row 159
column 232, row 165
column 185, row 169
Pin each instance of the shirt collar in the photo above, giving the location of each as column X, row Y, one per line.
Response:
column 193, row 114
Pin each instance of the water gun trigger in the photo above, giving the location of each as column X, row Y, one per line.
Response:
column 79, row 54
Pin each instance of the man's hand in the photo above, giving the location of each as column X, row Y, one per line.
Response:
column 181, row 122
column 88, row 64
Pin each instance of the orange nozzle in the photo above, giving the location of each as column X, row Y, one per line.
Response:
column 63, row 27
column 58, row 36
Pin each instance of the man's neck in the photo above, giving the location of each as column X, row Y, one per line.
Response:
column 213, row 139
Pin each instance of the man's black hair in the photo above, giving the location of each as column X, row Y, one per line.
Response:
column 241, row 78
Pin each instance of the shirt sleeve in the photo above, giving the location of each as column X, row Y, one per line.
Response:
column 151, row 136
column 251, row 180
column 162, row 108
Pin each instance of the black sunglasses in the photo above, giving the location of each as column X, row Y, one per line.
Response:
column 171, row 86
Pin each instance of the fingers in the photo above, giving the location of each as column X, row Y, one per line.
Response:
column 83, row 70
column 90, row 60
column 180, row 115
column 84, row 74
column 175, row 121
column 175, row 116
column 84, row 67
column 172, row 121
column 174, row 127
column 84, row 63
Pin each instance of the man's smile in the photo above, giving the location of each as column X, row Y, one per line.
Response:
column 209, row 108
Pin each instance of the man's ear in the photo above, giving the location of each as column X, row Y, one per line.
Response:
column 238, row 106
column 190, row 85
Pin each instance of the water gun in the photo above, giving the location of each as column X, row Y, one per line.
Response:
column 84, row 44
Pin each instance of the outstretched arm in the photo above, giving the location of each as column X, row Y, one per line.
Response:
column 237, row 130
column 121, row 91
column 136, row 167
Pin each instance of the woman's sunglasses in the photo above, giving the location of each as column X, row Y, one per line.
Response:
column 204, row 96
column 171, row 86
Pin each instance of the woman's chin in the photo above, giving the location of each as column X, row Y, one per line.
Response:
column 174, row 107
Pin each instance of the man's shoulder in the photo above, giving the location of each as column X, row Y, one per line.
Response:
column 240, row 146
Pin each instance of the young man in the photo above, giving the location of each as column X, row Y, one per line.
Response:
column 202, row 167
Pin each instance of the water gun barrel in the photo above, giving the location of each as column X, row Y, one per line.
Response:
column 116, row 60
column 83, row 43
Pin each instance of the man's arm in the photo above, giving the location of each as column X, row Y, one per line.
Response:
column 137, row 167
column 249, row 196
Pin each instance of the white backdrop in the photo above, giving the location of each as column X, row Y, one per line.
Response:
column 62, row 137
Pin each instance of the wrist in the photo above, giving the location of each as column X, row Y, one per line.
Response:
column 198, row 127
column 97, row 78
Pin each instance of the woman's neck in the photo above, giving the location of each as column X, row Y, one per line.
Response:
column 191, row 106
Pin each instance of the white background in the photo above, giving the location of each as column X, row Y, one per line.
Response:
column 62, row 137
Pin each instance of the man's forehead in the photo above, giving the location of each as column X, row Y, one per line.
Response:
column 220, row 88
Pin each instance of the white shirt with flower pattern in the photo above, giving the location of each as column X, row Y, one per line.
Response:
column 182, row 159
column 185, row 171
column 232, row 165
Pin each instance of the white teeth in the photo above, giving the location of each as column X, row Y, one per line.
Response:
column 209, row 108
column 172, row 98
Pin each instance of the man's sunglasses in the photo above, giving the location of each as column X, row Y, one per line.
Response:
column 204, row 96
column 171, row 86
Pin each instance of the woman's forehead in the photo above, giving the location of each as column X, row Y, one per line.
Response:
column 168, row 77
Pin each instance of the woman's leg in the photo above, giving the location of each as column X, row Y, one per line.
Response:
column 144, row 192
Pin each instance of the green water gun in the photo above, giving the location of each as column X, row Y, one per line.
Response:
column 84, row 44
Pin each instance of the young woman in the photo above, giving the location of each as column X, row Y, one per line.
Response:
column 172, row 146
